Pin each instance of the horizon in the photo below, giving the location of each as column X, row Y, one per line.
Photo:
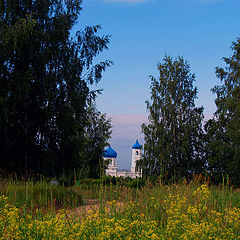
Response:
column 143, row 31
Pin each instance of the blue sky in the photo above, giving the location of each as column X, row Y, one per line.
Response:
column 142, row 32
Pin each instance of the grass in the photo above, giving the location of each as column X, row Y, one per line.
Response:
column 178, row 211
column 41, row 194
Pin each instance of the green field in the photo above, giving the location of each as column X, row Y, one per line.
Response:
column 192, row 210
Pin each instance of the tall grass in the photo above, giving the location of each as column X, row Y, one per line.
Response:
column 39, row 194
column 192, row 210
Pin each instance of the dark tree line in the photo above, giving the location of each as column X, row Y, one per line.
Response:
column 177, row 145
column 48, row 120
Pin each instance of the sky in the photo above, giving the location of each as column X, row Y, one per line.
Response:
column 142, row 32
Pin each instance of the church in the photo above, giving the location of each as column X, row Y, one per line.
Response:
column 112, row 170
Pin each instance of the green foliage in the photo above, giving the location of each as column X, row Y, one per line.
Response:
column 173, row 136
column 127, row 182
column 48, row 121
column 113, row 181
column 40, row 194
column 223, row 135
column 89, row 182
column 176, row 211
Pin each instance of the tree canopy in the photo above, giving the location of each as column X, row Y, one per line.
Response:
column 223, row 131
column 173, row 136
column 48, row 121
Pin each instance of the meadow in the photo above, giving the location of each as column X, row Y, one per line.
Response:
column 194, row 210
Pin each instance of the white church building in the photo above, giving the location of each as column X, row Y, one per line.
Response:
column 112, row 170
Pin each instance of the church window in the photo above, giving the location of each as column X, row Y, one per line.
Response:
column 137, row 152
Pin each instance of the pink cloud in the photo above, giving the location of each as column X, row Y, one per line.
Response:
column 127, row 126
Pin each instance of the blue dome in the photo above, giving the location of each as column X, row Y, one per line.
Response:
column 109, row 153
column 136, row 145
